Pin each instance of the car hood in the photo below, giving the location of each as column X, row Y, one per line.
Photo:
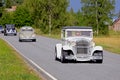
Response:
column 79, row 39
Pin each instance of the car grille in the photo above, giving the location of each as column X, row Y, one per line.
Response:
column 82, row 47
column 82, row 50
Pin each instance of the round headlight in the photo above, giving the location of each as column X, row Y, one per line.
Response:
column 73, row 43
column 21, row 35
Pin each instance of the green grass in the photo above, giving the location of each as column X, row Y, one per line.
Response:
column 12, row 66
column 109, row 43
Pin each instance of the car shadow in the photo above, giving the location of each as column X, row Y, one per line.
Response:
column 76, row 62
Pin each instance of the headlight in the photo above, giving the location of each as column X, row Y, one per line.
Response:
column 73, row 43
column 97, row 54
column 21, row 35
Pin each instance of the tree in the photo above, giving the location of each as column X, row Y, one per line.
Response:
column 1, row 3
column 22, row 17
column 7, row 18
column 80, row 19
column 97, row 13
column 1, row 7
column 49, row 14
column 72, row 18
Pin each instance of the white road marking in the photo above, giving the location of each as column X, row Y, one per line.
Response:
column 41, row 69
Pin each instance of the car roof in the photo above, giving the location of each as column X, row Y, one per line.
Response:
column 9, row 24
column 26, row 27
column 77, row 27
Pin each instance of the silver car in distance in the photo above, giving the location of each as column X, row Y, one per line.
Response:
column 27, row 34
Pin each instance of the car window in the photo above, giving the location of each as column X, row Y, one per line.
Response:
column 86, row 33
column 27, row 30
column 10, row 26
column 78, row 33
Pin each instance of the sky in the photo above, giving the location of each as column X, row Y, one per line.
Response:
column 75, row 4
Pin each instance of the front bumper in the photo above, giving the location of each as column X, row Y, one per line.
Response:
column 84, row 58
column 11, row 33
column 27, row 39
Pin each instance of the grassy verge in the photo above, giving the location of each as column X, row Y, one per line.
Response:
column 110, row 43
column 12, row 67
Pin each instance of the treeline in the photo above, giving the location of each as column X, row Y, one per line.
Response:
column 51, row 15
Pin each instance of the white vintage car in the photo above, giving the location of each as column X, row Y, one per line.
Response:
column 77, row 44
column 27, row 34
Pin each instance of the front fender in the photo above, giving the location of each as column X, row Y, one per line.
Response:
column 58, row 50
column 97, row 48
column 66, row 47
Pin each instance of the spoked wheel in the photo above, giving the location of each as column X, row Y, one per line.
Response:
column 100, row 60
column 5, row 34
column 62, row 59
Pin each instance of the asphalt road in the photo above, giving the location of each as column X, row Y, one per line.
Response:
column 41, row 54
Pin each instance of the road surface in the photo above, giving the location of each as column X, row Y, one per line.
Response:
column 41, row 54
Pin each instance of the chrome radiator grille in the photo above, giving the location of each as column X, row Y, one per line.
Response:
column 82, row 47
column 82, row 50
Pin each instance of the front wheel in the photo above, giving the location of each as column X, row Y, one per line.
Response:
column 5, row 34
column 34, row 40
column 63, row 60
column 15, row 34
column 56, row 54
column 98, row 54
column 99, row 61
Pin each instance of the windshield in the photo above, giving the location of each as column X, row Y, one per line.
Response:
column 79, row 33
column 10, row 26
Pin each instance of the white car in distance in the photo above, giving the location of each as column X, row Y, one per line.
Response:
column 27, row 34
column 77, row 44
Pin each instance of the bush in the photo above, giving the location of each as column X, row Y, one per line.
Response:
column 22, row 17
